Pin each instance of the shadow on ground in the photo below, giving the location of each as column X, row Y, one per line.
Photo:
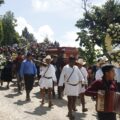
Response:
column 20, row 102
column 41, row 110
column 12, row 95
column 60, row 102
column 80, row 116
column 3, row 88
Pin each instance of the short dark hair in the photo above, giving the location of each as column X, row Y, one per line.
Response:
column 107, row 68
column 71, row 57
column 29, row 54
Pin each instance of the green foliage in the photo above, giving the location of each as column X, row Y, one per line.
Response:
column 1, row 31
column 28, row 36
column 93, row 26
column 1, row 2
column 9, row 23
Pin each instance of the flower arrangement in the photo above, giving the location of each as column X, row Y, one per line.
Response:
column 2, row 61
column 114, row 32
column 113, row 36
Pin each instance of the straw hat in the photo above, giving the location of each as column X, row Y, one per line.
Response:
column 48, row 57
column 81, row 61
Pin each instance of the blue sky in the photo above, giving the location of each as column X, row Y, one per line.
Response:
column 53, row 18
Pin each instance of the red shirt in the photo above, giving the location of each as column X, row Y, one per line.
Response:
column 99, row 85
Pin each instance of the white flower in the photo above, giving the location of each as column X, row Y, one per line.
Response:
column 113, row 32
column 108, row 30
column 111, row 26
column 116, row 27
column 97, row 37
column 117, row 24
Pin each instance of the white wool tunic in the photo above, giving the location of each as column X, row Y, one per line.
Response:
column 75, row 79
column 99, row 74
column 44, row 82
column 85, row 75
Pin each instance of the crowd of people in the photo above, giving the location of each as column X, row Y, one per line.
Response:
column 74, row 79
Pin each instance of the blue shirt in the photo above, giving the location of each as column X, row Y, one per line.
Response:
column 27, row 67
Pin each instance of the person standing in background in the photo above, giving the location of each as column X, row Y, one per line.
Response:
column 84, row 73
column 117, row 75
column 18, row 62
column 99, row 73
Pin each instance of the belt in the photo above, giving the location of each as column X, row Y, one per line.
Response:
column 48, row 77
column 73, row 84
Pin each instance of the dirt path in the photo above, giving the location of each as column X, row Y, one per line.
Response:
column 14, row 107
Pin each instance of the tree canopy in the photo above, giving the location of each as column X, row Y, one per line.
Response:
column 94, row 24
column 28, row 36
column 1, row 2
column 8, row 34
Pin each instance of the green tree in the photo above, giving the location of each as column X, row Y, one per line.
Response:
column 94, row 25
column 28, row 36
column 1, row 31
column 9, row 23
column 1, row 2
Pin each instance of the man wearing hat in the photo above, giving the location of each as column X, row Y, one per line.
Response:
column 47, row 77
column 28, row 71
column 71, row 77
column 84, row 72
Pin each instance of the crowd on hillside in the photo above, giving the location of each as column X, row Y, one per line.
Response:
column 74, row 79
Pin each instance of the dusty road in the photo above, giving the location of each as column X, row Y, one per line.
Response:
column 14, row 107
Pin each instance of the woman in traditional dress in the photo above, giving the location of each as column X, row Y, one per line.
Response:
column 6, row 74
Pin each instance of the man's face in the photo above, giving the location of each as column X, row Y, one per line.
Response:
column 80, row 65
column 111, row 74
column 48, row 61
column 72, row 62
column 30, row 57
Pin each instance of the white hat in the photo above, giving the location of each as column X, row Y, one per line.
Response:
column 81, row 61
column 48, row 57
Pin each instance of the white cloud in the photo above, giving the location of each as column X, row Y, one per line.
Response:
column 44, row 31
column 21, row 24
column 56, row 5
column 98, row 2
column 40, row 34
column 39, row 5
column 69, row 39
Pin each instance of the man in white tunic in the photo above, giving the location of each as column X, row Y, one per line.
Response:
column 47, row 74
column 84, row 72
column 99, row 73
column 71, row 77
